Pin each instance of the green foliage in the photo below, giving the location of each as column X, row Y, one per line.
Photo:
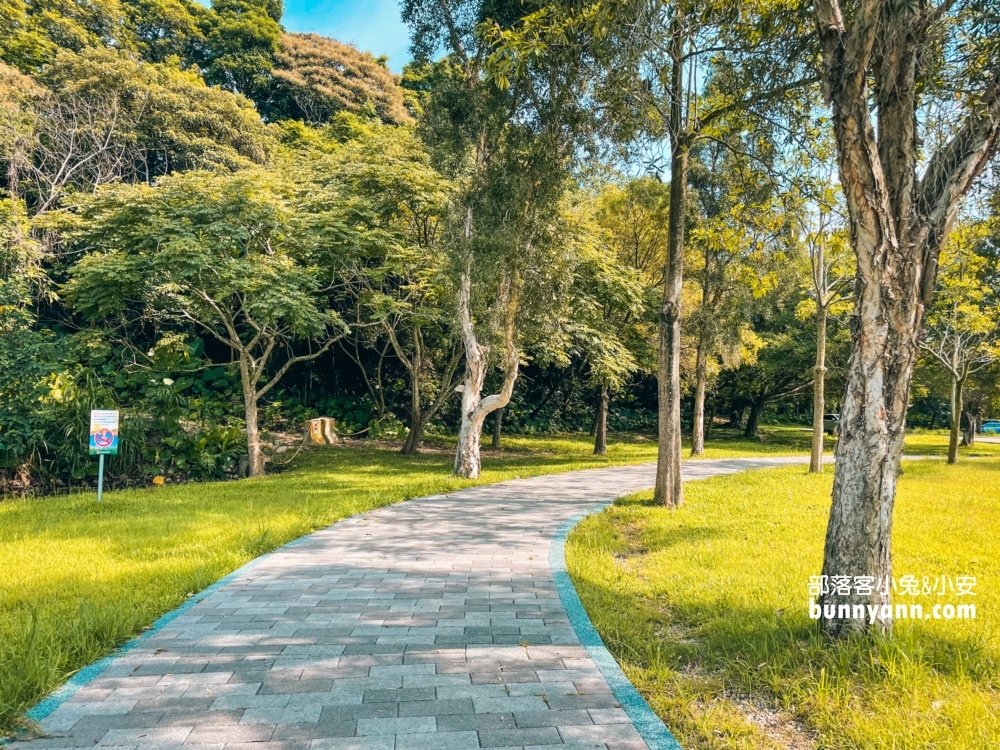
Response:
column 242, row 39
column 209, row 248
column 316, row 77
column 964, row 320
column 610, row 321
column 167, row 119
column 164, row 29
column 32, row 31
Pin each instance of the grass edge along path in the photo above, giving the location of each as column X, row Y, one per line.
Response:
column 705, row 610
column 81, row 579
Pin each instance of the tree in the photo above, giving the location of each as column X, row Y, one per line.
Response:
column 315, row 77
column 625, row 273
column 407, row 294
column 162, row 29
column 777, row 363
column 31, row 33
column 213, row 252
column 646, row 58
column 504, row 130
column 107, row 116
column 962, row 331
column 737, row 243
column 242, row 38
column 608, row 319
column 831, row 271
column 897, row 65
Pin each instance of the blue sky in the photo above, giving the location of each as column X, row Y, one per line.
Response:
column 372, row 25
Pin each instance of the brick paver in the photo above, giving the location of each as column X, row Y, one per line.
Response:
column 432, row 624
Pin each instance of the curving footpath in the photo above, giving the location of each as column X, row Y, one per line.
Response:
column 444, row 623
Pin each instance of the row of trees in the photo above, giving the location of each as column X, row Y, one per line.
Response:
column 927, row 74
column 222, row 227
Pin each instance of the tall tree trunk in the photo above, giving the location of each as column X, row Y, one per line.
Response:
column 497, row 429
column 709, row 422
column 416, row 417
column 254, row 452
column 698, row 428
column 475, row 408
column 957, row 392
column 969, row 430
column 898, row 222
column 601, row 441
column 753, row 421
column 669, row 490
column 819, row 397
column 412, row 443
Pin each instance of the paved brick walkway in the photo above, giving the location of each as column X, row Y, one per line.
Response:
column 428, row 625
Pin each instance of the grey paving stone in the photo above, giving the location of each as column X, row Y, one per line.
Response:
column 394, row 626
column 408, row 725
column 609, row 716
column 314, row 731
column 520, row 737
column 283, row 715
column 599, row 733
column 508, row 704
column 360, row 711
column 582, row 701
column 470, row 722
column 287, row 687
column 436, row 708
column 378, row 742
column 529, row 719
column 438, row 741
column 230, row 733
column 395, row 695
column 146, row 736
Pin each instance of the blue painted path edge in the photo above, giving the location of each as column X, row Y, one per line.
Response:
column 648, row 724
column 653, row 731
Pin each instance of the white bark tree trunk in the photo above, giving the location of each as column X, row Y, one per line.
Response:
column 475, row 408
column 701, row 376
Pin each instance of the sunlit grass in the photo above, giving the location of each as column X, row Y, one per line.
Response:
column 78, row 579
column 705, row 607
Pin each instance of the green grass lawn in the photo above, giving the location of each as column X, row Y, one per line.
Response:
column 706, row 609
column 78, row 579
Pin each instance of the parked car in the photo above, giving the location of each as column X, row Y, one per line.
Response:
column 991, row 427
column 831, row 424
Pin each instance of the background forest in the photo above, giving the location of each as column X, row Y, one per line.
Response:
column 224, row 230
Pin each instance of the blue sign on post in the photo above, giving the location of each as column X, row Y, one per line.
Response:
column 103, row 441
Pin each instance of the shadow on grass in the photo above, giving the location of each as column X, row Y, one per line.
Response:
column 772, row 655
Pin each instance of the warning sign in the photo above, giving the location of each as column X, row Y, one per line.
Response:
column 103, row 432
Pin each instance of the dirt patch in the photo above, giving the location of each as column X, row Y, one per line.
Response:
column 781, row 727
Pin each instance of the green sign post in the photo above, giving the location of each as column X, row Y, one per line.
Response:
column 103, row 441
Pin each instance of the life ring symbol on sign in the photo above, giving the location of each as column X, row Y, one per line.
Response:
column 104, row 438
